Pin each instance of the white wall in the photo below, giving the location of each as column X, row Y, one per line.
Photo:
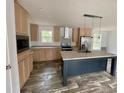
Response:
column 12, row 45
column 104, row 38
column 112, row 42
column 109, row 38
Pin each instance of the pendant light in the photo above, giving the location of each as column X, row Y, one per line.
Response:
column 95, row 21
column 92, row 17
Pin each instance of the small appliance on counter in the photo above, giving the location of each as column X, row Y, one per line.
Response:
column 22, row 43
column 66, row 44
column 86, row 43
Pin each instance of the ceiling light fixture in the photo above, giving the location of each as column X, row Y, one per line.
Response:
column 93, row 17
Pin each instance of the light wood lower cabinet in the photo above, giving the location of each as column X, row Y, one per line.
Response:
column 25, row 66
column 46, row 54
column 31, row 62
column 21, row 73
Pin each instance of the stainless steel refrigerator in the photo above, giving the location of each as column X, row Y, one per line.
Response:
column 86, row 43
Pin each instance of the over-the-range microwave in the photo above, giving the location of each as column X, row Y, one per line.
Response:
column 22, row 43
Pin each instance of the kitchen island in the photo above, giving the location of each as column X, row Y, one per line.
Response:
column 77, row 63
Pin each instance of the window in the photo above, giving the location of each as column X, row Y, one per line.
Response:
column 46, row 36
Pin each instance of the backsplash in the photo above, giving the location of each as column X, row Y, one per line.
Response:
column 53, row 44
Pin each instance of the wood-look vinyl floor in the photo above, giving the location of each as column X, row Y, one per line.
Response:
column 46, row 78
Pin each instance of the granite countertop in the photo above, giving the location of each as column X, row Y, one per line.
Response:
column 34, row 47
column 24, row 54
column 73, row 55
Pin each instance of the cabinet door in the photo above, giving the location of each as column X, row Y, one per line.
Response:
column 18, row 18
column 31, row 62
column 58, row 55
column 56, row 33
column 24, row 22
column 21, row 20
column 34, row 32
column 26, row 68
column 85, row 31
column 21, row 73
column 75, row 35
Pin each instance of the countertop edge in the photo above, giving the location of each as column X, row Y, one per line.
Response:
column 88, row 57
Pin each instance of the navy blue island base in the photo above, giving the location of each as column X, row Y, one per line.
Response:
column 83, row 66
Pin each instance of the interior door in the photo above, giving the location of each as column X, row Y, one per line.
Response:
column 8, row 73
column 12, row 76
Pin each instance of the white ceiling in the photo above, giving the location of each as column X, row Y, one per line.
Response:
column 70, row 12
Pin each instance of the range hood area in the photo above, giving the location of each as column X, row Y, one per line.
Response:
column 66, row 38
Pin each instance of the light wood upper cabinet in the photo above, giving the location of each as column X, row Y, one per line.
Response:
column 56, row 33
column 18, row 18
column 34, row 32
column 21, row 20
column 31, row 62
column 75, row 33
column 24, row 21
column 84, row 31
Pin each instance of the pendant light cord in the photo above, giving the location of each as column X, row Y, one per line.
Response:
column 100, row 25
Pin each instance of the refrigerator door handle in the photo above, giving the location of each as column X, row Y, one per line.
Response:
column 8, row 67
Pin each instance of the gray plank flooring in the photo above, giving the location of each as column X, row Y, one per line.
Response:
column 46, row 78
